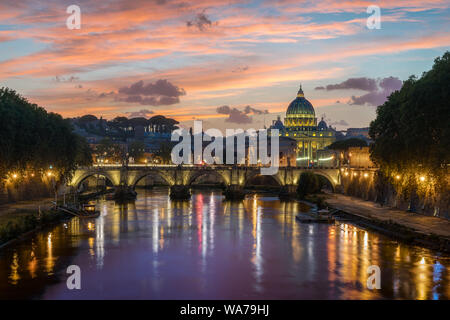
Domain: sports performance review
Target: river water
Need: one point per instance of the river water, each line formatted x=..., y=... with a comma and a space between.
x=210, y=249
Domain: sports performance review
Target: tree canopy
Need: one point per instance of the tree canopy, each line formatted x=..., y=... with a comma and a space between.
x=412, y=126
x=411, y=136
x=34, y=139
x=347, y=143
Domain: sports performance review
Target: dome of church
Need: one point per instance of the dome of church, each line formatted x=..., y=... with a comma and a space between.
x=300, y=106
x=322, y=125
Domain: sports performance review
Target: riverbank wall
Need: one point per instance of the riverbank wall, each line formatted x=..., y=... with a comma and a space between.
x=20, y=225
x=365, y=183
x=25, y=189
x=426, y=231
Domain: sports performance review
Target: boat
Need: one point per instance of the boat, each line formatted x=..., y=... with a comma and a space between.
x=320, y=216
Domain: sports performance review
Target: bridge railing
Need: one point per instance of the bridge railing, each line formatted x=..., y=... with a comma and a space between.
x=203, y=166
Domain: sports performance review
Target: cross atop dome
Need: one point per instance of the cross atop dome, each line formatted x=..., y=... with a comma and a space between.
x=300, y=93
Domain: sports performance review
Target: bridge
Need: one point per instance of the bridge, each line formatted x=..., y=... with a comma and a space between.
x=177, y=177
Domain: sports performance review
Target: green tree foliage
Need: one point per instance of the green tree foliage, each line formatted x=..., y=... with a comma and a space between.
x=411, y=135
x=87, y=118
x=309, y=183
x=347, y=143
x=412, y=126
x=33, y=139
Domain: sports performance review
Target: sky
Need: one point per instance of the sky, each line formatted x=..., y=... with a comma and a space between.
x=232, y=64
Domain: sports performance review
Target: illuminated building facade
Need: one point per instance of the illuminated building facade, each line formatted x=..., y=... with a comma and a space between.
x=301, y=125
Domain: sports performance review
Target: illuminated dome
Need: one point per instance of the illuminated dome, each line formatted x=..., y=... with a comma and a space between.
x=300, y=112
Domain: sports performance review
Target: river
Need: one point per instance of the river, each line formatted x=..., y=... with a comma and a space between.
x=210, y=249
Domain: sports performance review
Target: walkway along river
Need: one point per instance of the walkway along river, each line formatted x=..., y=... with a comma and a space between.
x=206, y=248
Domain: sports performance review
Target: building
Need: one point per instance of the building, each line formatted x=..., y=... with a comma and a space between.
x=301, y=125
x=360, y=133
x=359, y=157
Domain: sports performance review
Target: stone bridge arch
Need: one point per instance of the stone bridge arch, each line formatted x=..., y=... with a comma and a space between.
x=195, y=174
x=255, y=173
x=134, y=177
x=83, y=174
x=332, y=175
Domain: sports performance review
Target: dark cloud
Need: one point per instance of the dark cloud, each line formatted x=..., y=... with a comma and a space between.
x=224, y=110
x=391, y=83
x=234, y=115
x=63, y=79
x=249, y=109
x=378, y=97
x=372, y=98
x=239, y=116
x=339, y=123
x=201, y=22
x=106, y=94
x=240, y=69
x=145, y=113
x=160, y=93
x=378, y=89
x=366, y=84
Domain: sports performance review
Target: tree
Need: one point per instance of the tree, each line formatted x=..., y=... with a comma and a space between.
x=412, y=126
x=87, y=118
x=411, y=133
x=84, y=152
x=140, y=121
x=34, y=140
x=347, y=143
x=121, y=125
x=162, y=124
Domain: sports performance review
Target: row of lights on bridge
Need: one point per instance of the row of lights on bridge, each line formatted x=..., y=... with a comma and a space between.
x=365, y=175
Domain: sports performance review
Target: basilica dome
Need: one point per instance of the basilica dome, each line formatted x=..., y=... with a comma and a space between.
x=300, y=112
x=300, y=106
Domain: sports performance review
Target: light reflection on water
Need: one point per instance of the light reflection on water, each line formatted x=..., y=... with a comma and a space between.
x=207, y=248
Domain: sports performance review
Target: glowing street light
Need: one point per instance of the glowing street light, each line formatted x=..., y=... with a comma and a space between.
x=14, y=176
x=397, y=177
x=422, y=178
x=365, y=175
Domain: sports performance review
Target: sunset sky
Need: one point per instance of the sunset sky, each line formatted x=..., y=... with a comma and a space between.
x=187, y=59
